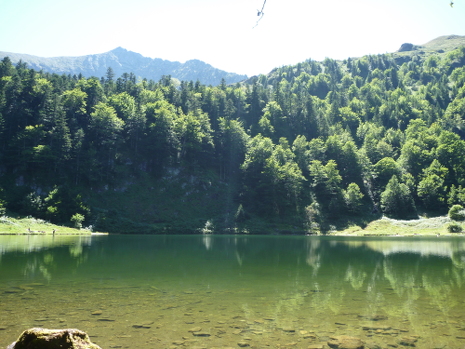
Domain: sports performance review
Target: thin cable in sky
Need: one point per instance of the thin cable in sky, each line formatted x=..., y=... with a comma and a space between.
x=260, y=13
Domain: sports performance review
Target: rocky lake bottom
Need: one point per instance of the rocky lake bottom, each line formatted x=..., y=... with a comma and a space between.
x=314, y=303
x=150, y=317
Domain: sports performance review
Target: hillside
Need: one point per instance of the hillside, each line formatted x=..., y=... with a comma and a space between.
x=124, y=61
x=312, y=147
x=445, y=43
x=438, y=46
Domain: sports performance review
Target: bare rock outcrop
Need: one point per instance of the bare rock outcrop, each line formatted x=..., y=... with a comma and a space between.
x=43, y=338
x=406, y=47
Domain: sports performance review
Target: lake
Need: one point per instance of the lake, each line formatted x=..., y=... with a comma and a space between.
x=208, y=291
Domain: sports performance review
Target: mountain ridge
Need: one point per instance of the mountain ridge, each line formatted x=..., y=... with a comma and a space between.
x=122, y=61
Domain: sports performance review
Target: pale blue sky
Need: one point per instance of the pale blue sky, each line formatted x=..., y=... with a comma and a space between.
x=221, y=33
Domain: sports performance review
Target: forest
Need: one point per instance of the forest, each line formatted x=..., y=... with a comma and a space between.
x=307, y=148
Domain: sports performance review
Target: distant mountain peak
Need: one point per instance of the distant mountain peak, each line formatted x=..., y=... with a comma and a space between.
x=122, y=61
x=119, y=49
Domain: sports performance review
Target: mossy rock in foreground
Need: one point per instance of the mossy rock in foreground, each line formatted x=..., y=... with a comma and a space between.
x=42, y=338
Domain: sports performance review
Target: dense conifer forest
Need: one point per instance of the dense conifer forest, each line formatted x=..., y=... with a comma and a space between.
x=304, y=148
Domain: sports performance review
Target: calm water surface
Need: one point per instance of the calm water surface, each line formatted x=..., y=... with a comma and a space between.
x=234, y=291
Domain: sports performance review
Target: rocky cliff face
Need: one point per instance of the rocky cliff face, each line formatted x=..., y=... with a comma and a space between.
x=124, y=61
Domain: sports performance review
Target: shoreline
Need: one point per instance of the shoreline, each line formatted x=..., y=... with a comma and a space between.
x=383, y=227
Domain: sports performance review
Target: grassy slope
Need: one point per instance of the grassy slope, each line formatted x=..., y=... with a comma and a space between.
x=439, y=46
x=389, y=227
x=446, y=43
x=18, y=226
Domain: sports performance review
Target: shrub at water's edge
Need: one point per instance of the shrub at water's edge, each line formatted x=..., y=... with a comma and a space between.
x=454, y=227
x=457, y=213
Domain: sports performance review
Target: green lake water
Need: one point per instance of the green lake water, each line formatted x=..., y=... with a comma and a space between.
x=236, y=291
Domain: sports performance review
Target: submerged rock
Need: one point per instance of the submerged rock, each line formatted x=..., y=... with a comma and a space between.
x=346, y=342
x=201, y=334
x=408, y=341
x=53, y=339
x=289, y=329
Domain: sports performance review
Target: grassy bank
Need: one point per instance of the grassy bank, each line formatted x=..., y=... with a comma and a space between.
x=392, y=227
x=380, y=227
x=34, y=226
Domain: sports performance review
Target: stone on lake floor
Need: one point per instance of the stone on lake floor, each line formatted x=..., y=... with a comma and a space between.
x=291, y=344
x=243, y=344
x=146, y=326
x=105, y=319
x=12, y=291
x=53, y=339
x=408, y=341
x=288, y=329
x=346, y=342
x=376, y=328
x=201, y=334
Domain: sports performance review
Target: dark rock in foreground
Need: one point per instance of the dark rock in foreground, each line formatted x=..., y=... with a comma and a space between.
x=43, y=338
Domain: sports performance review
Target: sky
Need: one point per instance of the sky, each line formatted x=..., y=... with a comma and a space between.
x=225, y=33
